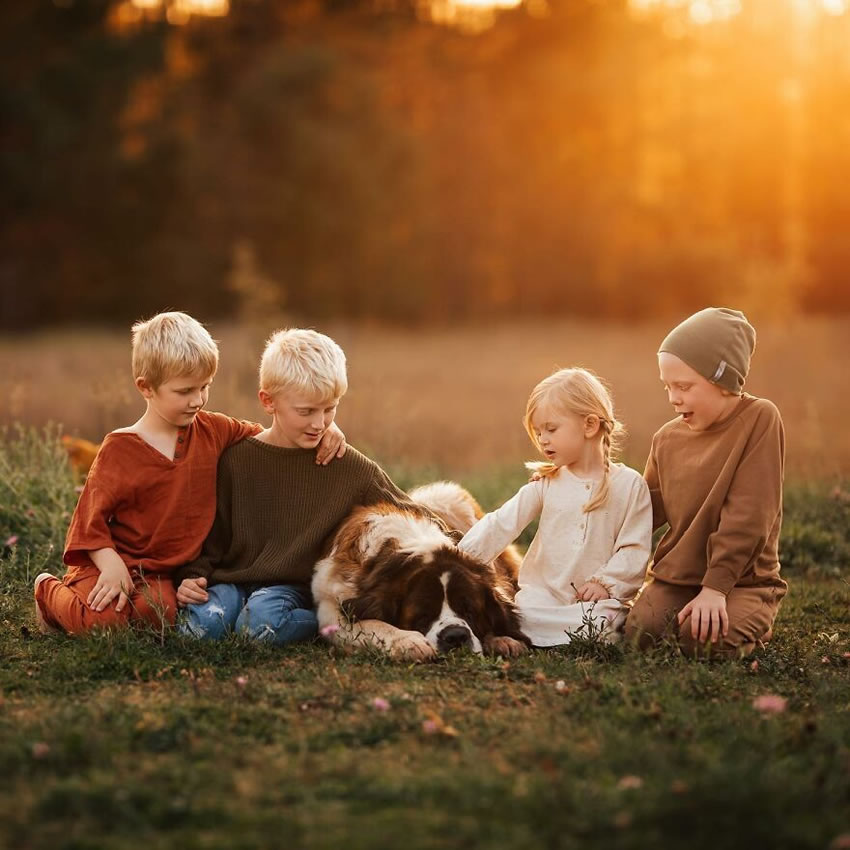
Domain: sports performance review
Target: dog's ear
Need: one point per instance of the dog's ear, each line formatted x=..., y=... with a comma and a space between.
x=364, y=607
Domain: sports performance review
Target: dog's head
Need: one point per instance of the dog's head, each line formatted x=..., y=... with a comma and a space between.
x=452, y=599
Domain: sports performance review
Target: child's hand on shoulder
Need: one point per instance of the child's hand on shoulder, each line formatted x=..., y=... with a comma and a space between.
x=707, y=611
x=591, y=591
x=331, y=445
x=192, y=591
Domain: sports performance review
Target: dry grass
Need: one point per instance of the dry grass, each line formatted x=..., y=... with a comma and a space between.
x=450, y=399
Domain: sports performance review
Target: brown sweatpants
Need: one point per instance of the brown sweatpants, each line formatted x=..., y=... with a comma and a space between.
x=751, y=612
x=63, y=603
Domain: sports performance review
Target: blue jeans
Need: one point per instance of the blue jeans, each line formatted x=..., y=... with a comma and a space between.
x=280, y=613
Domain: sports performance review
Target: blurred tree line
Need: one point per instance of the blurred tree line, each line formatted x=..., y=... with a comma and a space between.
x=345, y=158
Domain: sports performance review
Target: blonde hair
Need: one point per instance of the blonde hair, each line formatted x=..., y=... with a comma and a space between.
x=303, y=361
x=172, y=345
x=581, y=392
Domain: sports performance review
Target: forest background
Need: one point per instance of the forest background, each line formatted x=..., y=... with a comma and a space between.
x=360, y=159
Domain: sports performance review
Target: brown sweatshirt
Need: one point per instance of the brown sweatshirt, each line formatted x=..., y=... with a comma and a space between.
x=276, y=509
x=721, y=492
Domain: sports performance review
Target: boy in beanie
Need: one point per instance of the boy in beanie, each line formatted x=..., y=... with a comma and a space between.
x=715, y=475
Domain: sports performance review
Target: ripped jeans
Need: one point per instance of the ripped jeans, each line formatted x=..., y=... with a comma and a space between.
x=280, y=613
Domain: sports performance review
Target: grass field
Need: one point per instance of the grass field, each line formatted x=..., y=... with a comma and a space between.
x=142, y=739
x=450, y=401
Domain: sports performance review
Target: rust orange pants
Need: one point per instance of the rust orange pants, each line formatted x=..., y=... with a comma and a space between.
x=63, y=602
x=751, y=612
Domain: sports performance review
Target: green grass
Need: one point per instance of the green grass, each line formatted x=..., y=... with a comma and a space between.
x=137, y=739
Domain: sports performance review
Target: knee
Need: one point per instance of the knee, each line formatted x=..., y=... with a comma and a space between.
x=208, y=621
x=257, y=622
x=158, y=613
x=647, y=622
x=636, y=628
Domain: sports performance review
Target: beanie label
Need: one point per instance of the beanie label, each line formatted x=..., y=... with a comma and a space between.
x=719, y=373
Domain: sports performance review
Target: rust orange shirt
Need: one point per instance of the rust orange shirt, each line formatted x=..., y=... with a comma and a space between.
x=153, y=511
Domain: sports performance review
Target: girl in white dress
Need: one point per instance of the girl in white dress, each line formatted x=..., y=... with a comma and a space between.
x=592, y=546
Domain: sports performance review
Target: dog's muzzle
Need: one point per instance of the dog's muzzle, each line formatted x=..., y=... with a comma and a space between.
x=454, y=637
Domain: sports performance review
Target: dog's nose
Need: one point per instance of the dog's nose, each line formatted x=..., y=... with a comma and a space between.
x=454, y=637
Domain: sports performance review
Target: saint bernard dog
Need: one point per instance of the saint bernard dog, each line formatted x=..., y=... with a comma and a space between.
x=394, y=580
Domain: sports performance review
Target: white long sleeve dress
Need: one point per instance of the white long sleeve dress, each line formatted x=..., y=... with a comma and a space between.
x=610, y=545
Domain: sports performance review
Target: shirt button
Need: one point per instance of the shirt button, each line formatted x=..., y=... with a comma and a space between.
x=176, y=454
x=179, y=439
x=587, y=486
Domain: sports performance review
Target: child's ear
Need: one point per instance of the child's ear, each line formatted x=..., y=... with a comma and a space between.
x=591, y=425
x=144, y=387
x=266, y=400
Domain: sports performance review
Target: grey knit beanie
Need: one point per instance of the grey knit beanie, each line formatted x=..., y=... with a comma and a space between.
x=717, y=343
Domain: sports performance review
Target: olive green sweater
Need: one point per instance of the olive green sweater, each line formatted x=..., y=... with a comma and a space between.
x=276, y=510
x=721, y=492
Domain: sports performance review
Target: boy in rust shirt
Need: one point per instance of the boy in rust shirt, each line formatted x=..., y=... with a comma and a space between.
x=149, y=500
x=715, y=475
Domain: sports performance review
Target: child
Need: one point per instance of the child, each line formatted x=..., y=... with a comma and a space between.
x=590, y=552
x=149, y=499
x=715, y=475
x=275, y=508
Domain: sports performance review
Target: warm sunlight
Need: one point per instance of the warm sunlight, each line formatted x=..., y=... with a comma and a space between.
x=469, y=15
x=180, y=11
x=711, y=11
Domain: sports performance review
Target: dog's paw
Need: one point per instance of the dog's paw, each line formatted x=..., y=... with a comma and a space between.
x=412, y=646
x=507, y=647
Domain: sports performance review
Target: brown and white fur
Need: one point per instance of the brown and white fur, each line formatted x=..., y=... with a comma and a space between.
x=394, y=580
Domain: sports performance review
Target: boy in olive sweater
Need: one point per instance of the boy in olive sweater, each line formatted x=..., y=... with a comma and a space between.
x=715, y=475
x=275, y=506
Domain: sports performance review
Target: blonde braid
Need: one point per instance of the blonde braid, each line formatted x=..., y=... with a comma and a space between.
x=611, y=429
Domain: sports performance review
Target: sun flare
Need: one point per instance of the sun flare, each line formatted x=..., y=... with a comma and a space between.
x=704, y=12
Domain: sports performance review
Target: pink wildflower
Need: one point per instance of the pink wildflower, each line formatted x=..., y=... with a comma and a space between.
x=430, y=727
x=40, y=750
x=380, y=704
x=770, y=704
x=241, y=681
x=11, y=541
